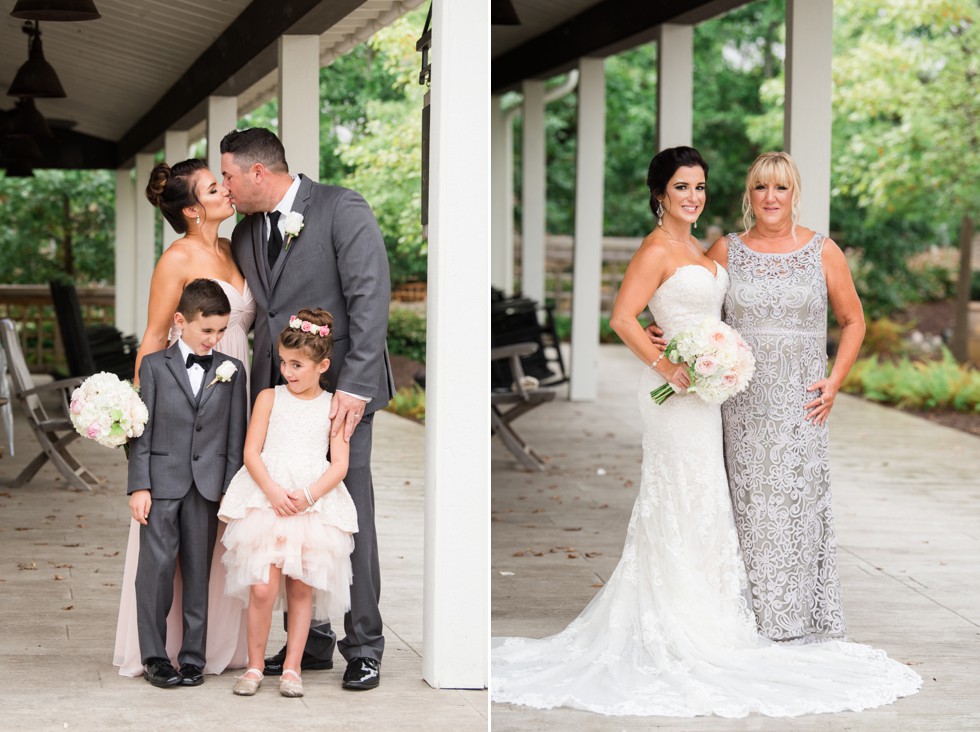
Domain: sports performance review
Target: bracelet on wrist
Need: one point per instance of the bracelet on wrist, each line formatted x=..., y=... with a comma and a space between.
x=308, y=495
x=653, y=365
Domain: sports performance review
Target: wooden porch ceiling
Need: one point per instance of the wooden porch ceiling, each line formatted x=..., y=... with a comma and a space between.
x=554, y=34
x=149, y=66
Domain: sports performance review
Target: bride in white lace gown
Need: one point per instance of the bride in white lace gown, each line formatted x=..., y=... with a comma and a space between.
x=671, y=633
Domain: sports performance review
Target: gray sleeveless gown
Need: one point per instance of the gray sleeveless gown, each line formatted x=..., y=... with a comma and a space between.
x=778, y=463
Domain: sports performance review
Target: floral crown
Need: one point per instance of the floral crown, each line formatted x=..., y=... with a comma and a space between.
x=307, y=327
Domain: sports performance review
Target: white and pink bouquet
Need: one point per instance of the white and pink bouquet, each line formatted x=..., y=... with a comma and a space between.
x=108, y=410
x=719, y=362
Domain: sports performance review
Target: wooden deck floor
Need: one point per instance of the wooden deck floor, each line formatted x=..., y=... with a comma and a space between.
x=907, y=509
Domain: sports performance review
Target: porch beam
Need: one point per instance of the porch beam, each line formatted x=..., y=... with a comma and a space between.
x=299, y=103
x=145, y=239
x=587, y=254
x=807, y=118
x=675, y=85
x=222, y=119
x=456, y=598
x=533, y=192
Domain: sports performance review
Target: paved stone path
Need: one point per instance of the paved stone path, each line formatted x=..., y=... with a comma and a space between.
x=907, y=508
x=61, y=560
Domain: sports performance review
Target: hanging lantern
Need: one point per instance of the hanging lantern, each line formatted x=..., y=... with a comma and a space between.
x=27, y=120
x=55, y=10
x=36, y=78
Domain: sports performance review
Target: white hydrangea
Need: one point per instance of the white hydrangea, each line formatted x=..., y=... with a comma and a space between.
x=108, y=410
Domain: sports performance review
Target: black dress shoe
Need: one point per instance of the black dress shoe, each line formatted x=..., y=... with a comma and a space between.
x=159, y=672
x=273, y=664
x=191, y=675
x=362, y=674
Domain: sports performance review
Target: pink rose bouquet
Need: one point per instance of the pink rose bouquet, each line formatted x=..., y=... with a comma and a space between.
x=107, y=410
x=719, y=362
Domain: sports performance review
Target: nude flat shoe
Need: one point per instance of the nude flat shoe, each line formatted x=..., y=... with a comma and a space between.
x=288, y=687
x=244, y=686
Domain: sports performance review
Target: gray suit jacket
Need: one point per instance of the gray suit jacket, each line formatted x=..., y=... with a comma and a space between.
x=338, y=263
x=188, y=439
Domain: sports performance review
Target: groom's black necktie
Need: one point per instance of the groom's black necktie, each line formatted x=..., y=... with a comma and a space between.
x=275, y=238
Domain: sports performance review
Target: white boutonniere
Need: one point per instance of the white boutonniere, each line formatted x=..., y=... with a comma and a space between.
x=294, y=225
x=224, y=373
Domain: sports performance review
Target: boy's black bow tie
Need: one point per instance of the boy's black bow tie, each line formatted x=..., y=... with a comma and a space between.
x=205, y=361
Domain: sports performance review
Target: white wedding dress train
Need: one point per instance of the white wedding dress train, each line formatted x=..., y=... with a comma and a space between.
x=671, y=633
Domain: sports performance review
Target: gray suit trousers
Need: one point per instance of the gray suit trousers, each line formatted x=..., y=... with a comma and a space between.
x=184, y=527
x=362, y=624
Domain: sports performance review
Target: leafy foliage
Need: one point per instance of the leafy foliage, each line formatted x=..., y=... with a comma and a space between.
x=409, y=402
x=942, y=384
x=58, y=224
x=406, y=334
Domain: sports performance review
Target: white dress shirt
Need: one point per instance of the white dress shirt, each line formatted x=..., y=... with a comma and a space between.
x=196, y=372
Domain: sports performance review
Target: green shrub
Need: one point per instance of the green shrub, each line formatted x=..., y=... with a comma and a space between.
x=409, y=402
x=563, y=327
x=406, y=334
x=943, y=384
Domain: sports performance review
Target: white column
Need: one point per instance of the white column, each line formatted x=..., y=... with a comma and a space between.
x=807, y=117
x=501, y=198
x=533, y=186
x=222, y=119
x=145, y=240
x=176, y=147
x=299, y=103
x=587, y=262
x=675, y=85
x=125, y=251
x=457, y=449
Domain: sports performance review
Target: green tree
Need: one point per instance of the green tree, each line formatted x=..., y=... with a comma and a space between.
x=906, y=99
x=59, y=225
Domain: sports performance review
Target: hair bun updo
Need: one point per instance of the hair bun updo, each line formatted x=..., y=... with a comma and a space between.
x=159, y=177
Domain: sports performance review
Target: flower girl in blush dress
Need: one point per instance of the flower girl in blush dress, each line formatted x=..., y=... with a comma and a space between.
x=290, y=518
x=671, y=633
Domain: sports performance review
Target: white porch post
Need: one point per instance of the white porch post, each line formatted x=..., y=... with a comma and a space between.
x=222, y=119
x=533, y=187
x=501, y=198
x=299, y=103
x=587, y=263
x=125, y=252
x=675, y=86
x=457, y=446
x=145, y=250
x=807, y=121
x=176, y=146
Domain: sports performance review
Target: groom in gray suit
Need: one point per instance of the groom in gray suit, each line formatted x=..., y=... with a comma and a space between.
x=179, y=468
x=302, y=244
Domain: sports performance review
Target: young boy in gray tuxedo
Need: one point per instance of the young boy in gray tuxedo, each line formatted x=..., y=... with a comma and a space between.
x=178, y=470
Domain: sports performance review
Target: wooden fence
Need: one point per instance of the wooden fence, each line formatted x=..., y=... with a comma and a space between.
x=30, y=307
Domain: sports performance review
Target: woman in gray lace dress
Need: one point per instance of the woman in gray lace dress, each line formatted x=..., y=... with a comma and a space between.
x=776, y=442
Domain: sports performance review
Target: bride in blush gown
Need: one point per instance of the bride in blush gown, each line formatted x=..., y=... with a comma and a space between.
x=194, y=203
x=671, y=632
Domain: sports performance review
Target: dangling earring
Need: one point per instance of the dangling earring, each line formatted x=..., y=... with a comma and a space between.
x=660, y=213
x=198, y=220
x=695, y=224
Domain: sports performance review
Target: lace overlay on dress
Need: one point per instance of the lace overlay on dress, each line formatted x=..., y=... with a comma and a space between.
x=778, y=463
x=671, y=632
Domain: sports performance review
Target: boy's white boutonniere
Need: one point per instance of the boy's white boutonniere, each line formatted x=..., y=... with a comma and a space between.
x=224, y=373
x=294, y=225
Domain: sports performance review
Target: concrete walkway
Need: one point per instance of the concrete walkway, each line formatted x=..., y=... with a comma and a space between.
x=61, y=561
x=907, y=508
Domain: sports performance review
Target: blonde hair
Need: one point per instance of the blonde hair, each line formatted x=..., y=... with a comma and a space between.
x=772, y=167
